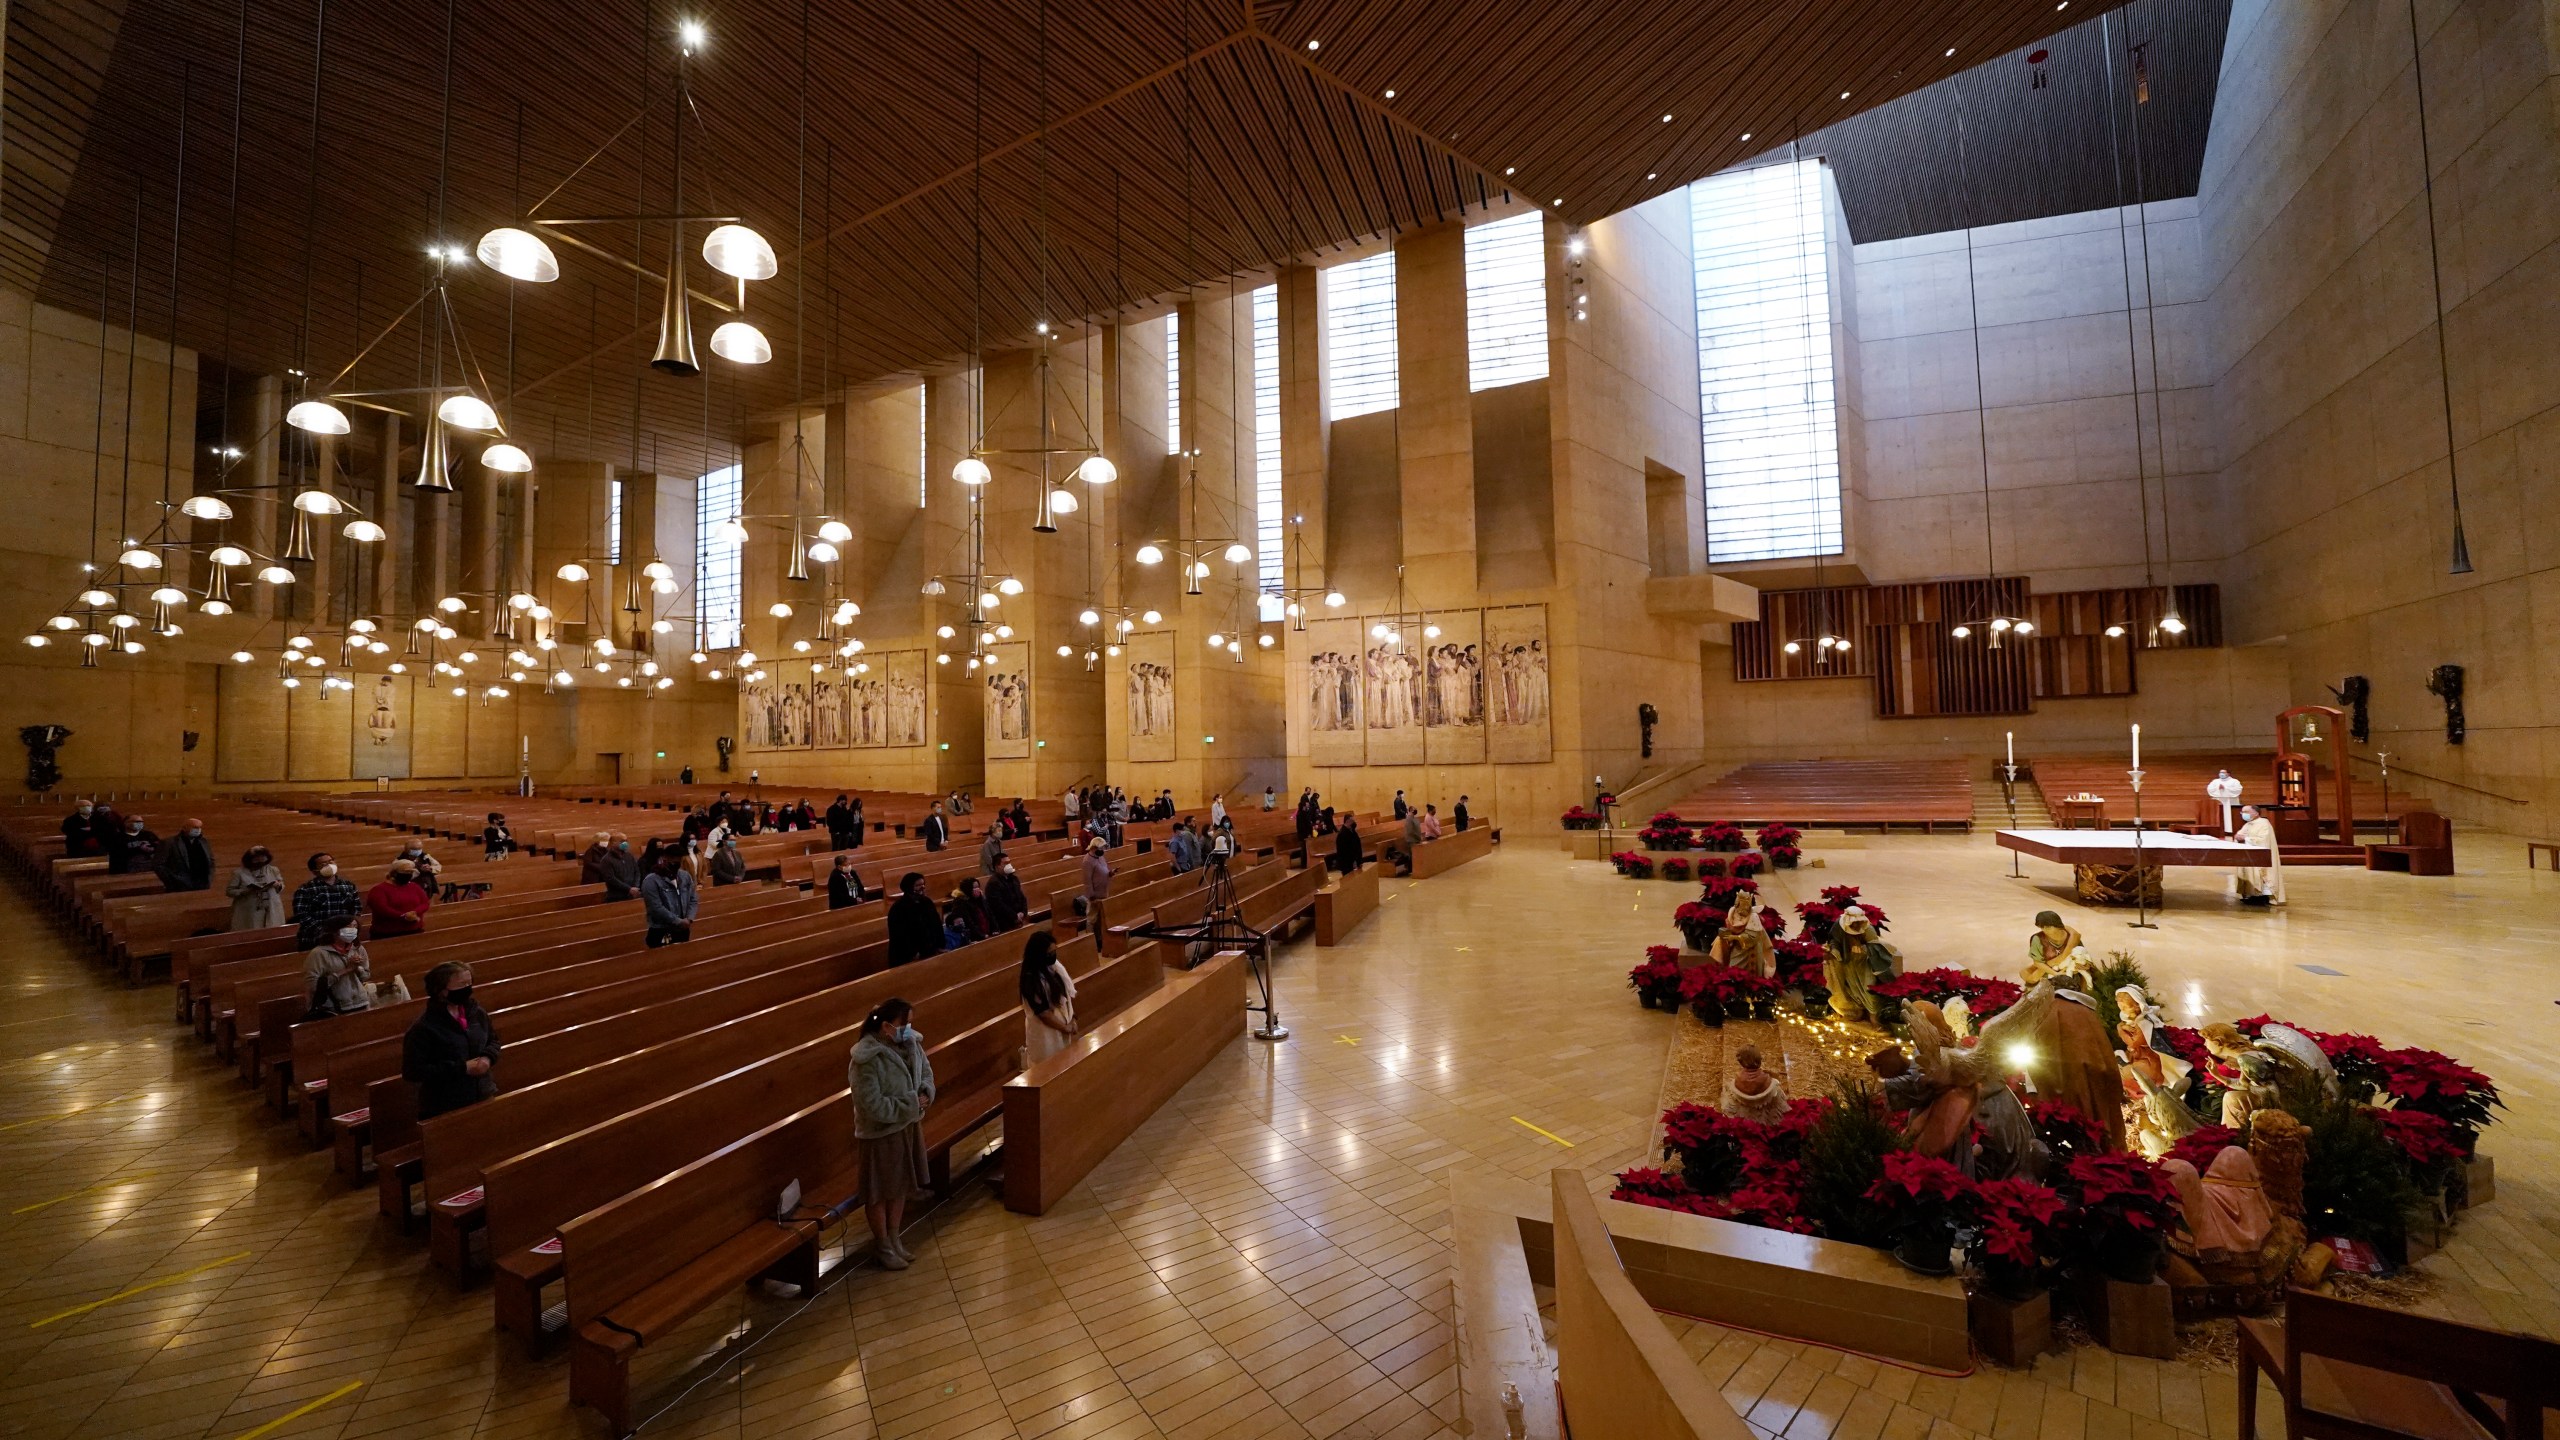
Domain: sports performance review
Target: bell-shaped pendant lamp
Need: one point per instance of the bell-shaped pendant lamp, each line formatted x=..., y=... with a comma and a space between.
x=435, y=463
x=217, y=590
x=507, y=458
x=739, y=252
x=799, y=569
x=741, y=343
x=317, y=417
x=467, y=411
x=297, y=539
x=519, y=255
x=675, y=320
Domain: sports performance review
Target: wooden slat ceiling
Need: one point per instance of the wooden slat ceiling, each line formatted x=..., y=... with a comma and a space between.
x=1159, y=173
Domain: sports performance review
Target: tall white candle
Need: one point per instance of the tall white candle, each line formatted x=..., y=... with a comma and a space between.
x=2137, y=747
x=2013, y=745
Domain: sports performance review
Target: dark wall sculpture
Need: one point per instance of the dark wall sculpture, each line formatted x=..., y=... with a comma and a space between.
x=2445, y=683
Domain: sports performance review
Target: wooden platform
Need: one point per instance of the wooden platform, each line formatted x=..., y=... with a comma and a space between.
x=2173, y=787
x=1925, y=793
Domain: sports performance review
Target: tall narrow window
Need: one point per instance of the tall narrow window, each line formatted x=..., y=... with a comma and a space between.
x=719, y=567
x=1360, y=333
x=1507, y=302
x=1266, y=437
x=613, y=523
x=924, y=455
x=1770, y=447
x=1173, y=384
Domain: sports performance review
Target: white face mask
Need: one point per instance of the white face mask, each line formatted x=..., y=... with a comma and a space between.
x=328, y=872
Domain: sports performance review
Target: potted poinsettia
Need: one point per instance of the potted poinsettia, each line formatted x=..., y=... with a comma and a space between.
x=1667, y=833
x=1775, y=834
x=1921, y=1198
x=1675, y=868
x=1698, y=922
x=2009, y=1245
x=2122, y=1209
x=1800, y=969
x=1749, y=996
x=1709, y=1144
x=1720, y=835
x=1578, y=818
x=1713, y=867
x=1636, y=865
x=1702, y=989
x=1657, y=980
x=1719, y=890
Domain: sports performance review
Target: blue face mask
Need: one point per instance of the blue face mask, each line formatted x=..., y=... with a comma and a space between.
x=906, y=1034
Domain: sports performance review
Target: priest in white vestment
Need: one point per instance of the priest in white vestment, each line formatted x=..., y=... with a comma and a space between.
x=2254, y=884
x=2223, y=790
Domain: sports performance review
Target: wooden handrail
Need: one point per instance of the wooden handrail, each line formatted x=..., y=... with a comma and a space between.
x=2440, y=780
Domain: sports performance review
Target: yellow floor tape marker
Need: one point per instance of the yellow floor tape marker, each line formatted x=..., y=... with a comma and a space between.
x=83, y=1190
x=65, y=1114
x=290, y=1416
x=1550, y=1134
x=138, y=1289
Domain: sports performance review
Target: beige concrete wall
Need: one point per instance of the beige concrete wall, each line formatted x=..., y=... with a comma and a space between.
x=2316, y=270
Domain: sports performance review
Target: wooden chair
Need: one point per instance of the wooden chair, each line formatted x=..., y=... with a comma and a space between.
x=2359, y=1372
x=2425, y=848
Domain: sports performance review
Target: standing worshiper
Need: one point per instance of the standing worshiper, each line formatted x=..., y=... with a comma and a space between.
x=840, y=823
x=964, y=915
x=1218, y=809
x=1020, y=815
x=339, y=974
x=79, y=837
x=2259, y=884
x=1073, y=804
x=495, y=840
x=1306, y=826
x=935, y=829
x=399, y=903
x=105, y=825
x=670, y=902
x=1006, y=904
x=1346, y=843
x=2223, y=790
x=991, y=852
x=1857, y=959
x=134, y=850
x=855, y=843
x=1097, y=873
x=1186, y=852
x=1400, y=805
x=1459, y=814
x=323, y=903
x=892, y=1085
x=256, y=891
x=915, y=926
x=844, y=886
x=451, y=1048
x=728, y=867
x=416, y=854
x=593, y=861
x=621, y=870
x=1048, y=1000
x=1430, y=822
x=685, y=776
x=186, y=862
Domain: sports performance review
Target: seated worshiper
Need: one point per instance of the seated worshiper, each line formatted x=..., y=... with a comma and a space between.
x=1741, y=942
x=79, y=836
x=339, y=975
x=1751, y=1092
x=495, y=839
x=2259, y=884
x=1856, y=960
x=844, y=887
x=2054, y=949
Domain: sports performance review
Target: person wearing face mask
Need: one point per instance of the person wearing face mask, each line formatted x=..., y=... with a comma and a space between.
x=495, y=839
x=667, y=894
x=135, y=849
x=915, y=926
x=844, y=887
x=1006, y=904
x=1048, y=1000
x=79, y=835
x=340, y=975
x=256, y=891
x=105, y=825
x=592, y=860
x=399, y=904
x=621, y=870
x=186, y=862
x=991, y=852
x=728, y=867
x=324, y=902
x=892, y=1085
x=428, y=867
x=451, y=1049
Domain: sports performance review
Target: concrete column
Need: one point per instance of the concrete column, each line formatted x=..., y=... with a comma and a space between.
x=572, y=505
x=1435, y=421
x=954, y=713
x=1306, y=428
x=254, y=523
x=482, y=583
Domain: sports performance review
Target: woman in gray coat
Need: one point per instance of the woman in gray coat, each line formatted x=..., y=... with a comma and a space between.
x=256, y=891
x=892, y=1084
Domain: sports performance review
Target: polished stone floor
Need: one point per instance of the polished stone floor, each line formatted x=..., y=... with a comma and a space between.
x=1264, y=1258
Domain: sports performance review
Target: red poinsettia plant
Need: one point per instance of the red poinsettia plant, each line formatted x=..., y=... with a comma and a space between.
x=2065, y=1130
x=1920, y=1199
x=1634, y=864
x=1670, y=835
x=2199, y=1146
x=1577, y=818
x=1719, y=890
x=2178, y=1040
x=1749, y=863
x=1776, y=834
x=2431, y=1145
x=1773, y=922
x=1720, y=835
x=2123, y=1207
x=1675, y=869
x=1713, y=867
x=2014, y=1223
x=1657, y=980
x=1800, y=963
x=1984, y=995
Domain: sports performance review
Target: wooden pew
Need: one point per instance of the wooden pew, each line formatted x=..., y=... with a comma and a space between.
x=637, y=1268
x=1064, y=1114
x=1439, y=857
x=1343, y=904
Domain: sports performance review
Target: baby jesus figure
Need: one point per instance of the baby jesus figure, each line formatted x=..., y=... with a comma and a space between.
x=1751, y=1092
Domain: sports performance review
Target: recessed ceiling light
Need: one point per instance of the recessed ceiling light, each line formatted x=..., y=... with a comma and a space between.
x=1666, y=119
x=1746, y=134
x=1391, y=94
x=1650, y=174
x=1507, y=169
x=1314, y=44
x=1951, y=52
x=1559, y=199
x=1845, y=94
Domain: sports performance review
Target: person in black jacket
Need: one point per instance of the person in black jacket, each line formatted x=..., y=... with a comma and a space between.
x=621, y=870
x=79, y=838
x=915, y=925
x=451, y=1050
x=135, y=850
x=1006, y=904
x=1460, y=815
x=839, y=822
x=1346, y=844
x=844, y=887
x=495, y=839
x=936, y=830
x=186, y=862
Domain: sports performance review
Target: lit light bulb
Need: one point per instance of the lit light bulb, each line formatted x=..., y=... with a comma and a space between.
x=1153, y=617
x=1334, y=600
x=823, y=552
x=317, y=417
x=228, y=556
x=738, y=252
x=1200, y=568
x=467, y=411
x=1111, y=650
x=365, y=532
x=1089, y=616
x=1238, y=553
x=741, y=343
x=1063, y=651
x=2171, y=623
x=507, y=458
x=1009, y=586
x=733, y=530
x=779, y=609
x=1149, y=554
x=1217, y=641
x=1097, y=471
x=699, y=657
x=1267, y=641
x=1062, y=502
x=1430, y=632
x=945, y=632
x=1963, y=632
x=835, y=532
x=519, y=255
x=451, y=605
x=1791, y=647
x=1004, y=632
x=988, y=600
x=243, y=657
x=573, y=572
x=972, y=471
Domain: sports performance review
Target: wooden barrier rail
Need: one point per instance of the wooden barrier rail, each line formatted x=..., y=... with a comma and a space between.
x=1343, y=904
x=1439, y=857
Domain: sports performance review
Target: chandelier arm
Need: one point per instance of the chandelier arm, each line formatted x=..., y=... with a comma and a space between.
x=470, y=360
x=725, y=307
x=379, y=336
x=553, y=193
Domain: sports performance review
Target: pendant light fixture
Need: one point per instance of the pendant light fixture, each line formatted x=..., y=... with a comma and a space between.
x=1998, y=625
x=2460, y=564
